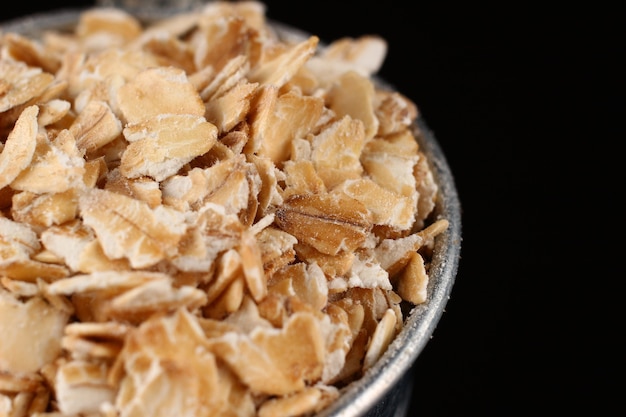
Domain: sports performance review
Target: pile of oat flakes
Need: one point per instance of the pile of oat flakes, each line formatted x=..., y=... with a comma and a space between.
x=201, y=218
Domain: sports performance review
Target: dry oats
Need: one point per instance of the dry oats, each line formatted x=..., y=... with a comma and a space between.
x=199, y=207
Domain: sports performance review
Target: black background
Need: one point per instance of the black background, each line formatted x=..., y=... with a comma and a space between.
x=528, y=106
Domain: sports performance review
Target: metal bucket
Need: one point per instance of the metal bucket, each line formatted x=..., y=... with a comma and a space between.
x=385, y=390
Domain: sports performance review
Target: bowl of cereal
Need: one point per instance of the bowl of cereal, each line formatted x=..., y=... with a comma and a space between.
x=205, y=212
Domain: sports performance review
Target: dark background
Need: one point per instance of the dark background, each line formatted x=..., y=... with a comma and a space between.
x=528, y=106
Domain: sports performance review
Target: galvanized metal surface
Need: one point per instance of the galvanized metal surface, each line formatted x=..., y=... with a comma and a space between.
x=385, y=390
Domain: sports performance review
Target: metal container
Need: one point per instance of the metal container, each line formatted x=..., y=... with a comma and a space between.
x=385, y=390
